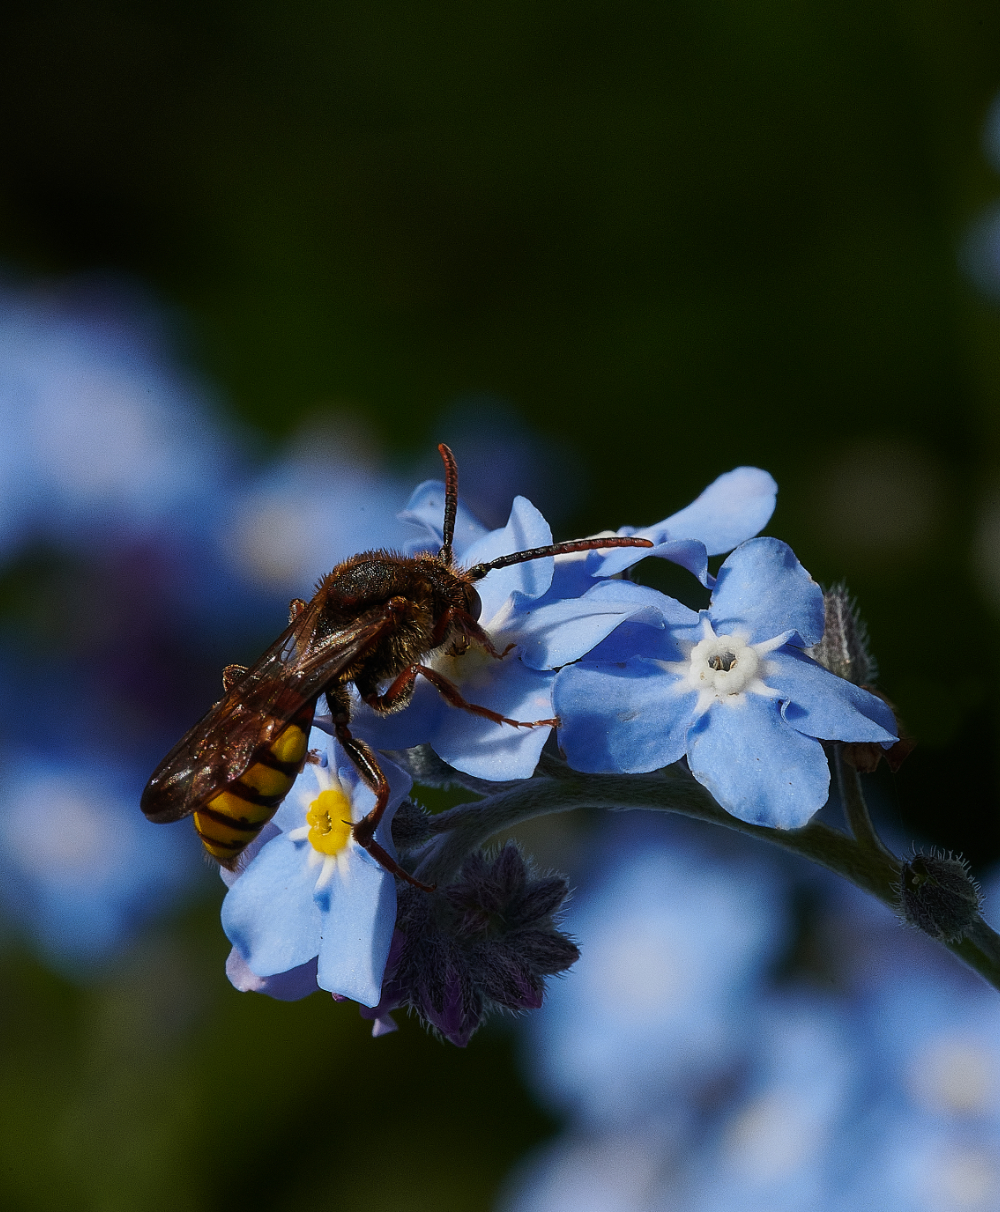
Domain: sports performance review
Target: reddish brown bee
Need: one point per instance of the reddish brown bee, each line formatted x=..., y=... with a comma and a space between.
x=372, y=622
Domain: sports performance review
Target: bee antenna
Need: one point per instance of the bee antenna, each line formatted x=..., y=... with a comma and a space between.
x=478, y=571
x=450, y=501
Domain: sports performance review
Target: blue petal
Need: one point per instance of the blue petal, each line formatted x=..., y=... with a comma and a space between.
x=269, y=914
x=357, y=925
x=822, y=705
x=689, y=553
x=573, y=574
x=757, y=767
x=763, y=589
x=633, y=639
x=525, y=529
x=625, y=717
x=554, y=633
x=425, y=509
x=731, y=510
x=488, y=750
x=414, y=725
x=285, y=986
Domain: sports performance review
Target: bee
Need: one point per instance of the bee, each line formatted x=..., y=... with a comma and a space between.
x=371, y=624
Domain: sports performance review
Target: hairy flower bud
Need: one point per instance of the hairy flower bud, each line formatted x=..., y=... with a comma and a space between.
x=938, y=895
x=844, y=646
x=486, y=942
x=410, y=828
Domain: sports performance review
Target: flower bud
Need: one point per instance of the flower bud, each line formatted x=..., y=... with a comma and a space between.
x=938, y=895
x=844, y=646
x=410, y=828
x=484, y=943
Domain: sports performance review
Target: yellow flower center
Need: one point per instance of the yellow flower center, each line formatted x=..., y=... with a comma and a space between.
x=329, y=819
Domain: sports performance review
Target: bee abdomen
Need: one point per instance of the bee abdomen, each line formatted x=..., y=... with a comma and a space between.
x=229, y=821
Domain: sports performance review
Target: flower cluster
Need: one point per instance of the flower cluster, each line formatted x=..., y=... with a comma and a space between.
x=716, y=1051
x=632, y=680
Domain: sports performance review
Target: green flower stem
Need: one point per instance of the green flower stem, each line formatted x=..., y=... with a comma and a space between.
x=862, y=860
x=852, y=800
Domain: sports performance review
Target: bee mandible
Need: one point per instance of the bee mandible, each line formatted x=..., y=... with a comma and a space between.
x=372, y=623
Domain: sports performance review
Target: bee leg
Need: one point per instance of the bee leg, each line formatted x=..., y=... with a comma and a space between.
x=231, y=675
x=469, y=628
x=451, y=694
x=398, y=695
x=367, y=766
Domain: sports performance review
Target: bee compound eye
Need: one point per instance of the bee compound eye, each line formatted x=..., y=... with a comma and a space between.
x=475, y=602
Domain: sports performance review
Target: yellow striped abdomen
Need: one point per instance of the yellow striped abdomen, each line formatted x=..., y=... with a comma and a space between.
x=229, y=821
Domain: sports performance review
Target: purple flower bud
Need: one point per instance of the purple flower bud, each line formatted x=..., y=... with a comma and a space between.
x=485, y=943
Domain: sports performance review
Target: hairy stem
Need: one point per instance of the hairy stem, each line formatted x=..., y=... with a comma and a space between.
x=853, y=801
x=862, y=859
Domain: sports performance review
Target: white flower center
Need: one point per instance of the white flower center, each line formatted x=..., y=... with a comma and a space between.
x=725, y=668
x=723, y=663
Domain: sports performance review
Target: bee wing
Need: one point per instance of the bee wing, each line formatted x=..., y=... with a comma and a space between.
x=219, y=747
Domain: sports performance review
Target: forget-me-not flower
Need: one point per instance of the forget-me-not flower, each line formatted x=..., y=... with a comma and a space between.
x=310, y=894
x=676, y=940
x=544, y=614
x=81, y=871
x=518, y=686
x=731, y=688
x=111, y=435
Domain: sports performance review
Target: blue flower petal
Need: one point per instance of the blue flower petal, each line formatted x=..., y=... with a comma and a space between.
x=731, y=510
x=555, y=633
x=822, y=705
x=358, y=918
x=763, y=589
x=626, y=717
x=425, y=509
x=423, y=718
x=488, y=750
x=285, y=986
x=759, y=768
x=525, y=530
x=633, y=639
x=269, y=914
x=689, y=553
x=574, y=574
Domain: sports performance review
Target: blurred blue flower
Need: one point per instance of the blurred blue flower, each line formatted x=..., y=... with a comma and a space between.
x=633, y=1167
x=310, y=893
x=730, y=687
x=325, y=500
x=782, y=1143
x=103, y=434
x=676, y=942
x=979, y=255
x=878, y=1089
x=928, y=1139
x=81, y=870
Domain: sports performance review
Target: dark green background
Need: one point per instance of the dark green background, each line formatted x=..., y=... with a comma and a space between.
x=677, y=236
